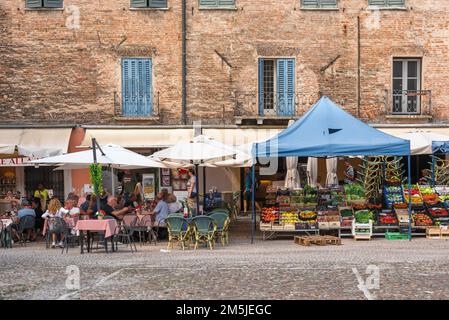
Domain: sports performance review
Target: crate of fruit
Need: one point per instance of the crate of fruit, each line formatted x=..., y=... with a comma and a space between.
x=334, y=224
x=346, y=211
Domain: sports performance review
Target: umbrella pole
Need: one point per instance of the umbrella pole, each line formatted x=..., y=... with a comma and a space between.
x=204, y=187
x=94, y=150
x=112, y=182
x=253, y=203
x=409, y=201
x=197, y=191
x=433, y=171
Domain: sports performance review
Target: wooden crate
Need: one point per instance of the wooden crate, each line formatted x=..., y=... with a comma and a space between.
x=323, y=225
x=277, y=227
x=444, y=234
x=265, y=226
x=361, y=236
x=333, y=240
x=433, y=233
x=308, y=240
x=334, y=224
x=289, y=227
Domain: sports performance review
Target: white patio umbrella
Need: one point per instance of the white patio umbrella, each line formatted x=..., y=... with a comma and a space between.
x=115, y=156
x=292, y=179
x=242, y=156
x=196, y=152
x=312, y=171
x=421, y=141
x=331, y=166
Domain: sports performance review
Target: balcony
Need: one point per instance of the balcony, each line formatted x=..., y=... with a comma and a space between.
x=408, y=104
x=271, y=108
x=153, y=116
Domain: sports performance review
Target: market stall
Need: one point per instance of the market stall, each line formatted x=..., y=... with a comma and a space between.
x=328, y=131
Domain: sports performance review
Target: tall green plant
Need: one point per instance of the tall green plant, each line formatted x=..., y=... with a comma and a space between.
x=96, y=178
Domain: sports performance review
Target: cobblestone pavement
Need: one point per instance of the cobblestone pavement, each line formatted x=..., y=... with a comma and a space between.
x=276, y=269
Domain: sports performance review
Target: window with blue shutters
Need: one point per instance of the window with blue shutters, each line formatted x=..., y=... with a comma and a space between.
x=35, y=4
x=137, y=92
x=319, y=4
x=386, y=3
x=276, y=87
x=157, y=4
x=217, y=4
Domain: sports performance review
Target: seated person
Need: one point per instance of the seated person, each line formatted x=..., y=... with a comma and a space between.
x=161, y=211
x=173, y=204
x=89, y=207
x=110, y=209
x=70, y=208
x=55, y=211
x=26, y=210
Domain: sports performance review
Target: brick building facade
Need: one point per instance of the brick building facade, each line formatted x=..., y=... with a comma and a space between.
x=54, y=71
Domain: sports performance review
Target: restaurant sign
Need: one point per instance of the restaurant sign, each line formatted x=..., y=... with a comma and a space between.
x=17, y=162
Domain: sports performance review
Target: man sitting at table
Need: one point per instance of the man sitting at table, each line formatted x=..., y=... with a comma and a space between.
x=70, y=208
x=26, y=210
x=110, y=209
x=161, y=211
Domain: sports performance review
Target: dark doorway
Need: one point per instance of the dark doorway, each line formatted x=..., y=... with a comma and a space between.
x=45, y=175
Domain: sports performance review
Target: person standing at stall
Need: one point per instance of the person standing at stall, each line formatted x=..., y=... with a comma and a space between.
x=248, y=191
x=42, y=194
x=349, y=173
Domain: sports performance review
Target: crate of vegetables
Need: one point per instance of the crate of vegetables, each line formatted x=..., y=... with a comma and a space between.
x=392, y=195
x=436, y=212
x=416, y=198
x=420, y=219
x=387, y=219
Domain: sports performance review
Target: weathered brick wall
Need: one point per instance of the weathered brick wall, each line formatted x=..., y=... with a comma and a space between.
x=49, y=71
x=57, y=74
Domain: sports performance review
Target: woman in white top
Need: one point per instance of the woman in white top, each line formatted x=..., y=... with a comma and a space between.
x=54, y=210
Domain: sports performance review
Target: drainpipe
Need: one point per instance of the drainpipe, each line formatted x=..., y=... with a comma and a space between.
x=358, y=67
x=184, y=62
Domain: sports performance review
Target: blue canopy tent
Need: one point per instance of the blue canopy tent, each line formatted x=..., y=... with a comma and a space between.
x=327, y=130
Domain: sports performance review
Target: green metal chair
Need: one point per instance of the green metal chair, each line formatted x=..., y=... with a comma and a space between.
x=219, y=210
x=178, y=230
x=204, y=228
x=235, y=205
x=222, y=220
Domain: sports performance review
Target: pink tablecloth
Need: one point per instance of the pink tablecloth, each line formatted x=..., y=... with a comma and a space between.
x=109, y=226
x=71, y=222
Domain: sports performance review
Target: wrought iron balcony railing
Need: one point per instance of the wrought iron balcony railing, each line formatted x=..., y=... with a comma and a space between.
x=271, y=105
x=409, y=102
x=119, y=112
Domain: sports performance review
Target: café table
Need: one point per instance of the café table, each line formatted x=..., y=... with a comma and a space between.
x=107, y=226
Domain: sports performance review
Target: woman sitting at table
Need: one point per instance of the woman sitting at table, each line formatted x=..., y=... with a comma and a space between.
x=54, y=213
x=174, y=205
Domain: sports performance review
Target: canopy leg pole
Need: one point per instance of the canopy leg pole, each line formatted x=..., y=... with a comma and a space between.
x=204, y=187
x=433, y=171
x=97, y=194
x=409, y=200
x=197, y=191
x=112, y=182
x=253, y=203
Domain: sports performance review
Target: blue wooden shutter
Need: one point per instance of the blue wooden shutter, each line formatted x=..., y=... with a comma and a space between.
x=226, y=3
x=53, y=3
x=328, y=3
x=138, y=3
x=261, y=91
x=396, y=2
x=136, y=87
x=382, y=3
x=158, y=4
x=309, y=3
x=34, y=3
x=209, y=3
x=285, y=90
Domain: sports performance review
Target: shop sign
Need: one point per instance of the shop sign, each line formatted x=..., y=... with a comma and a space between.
x=16, y=162
x=149, y=185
